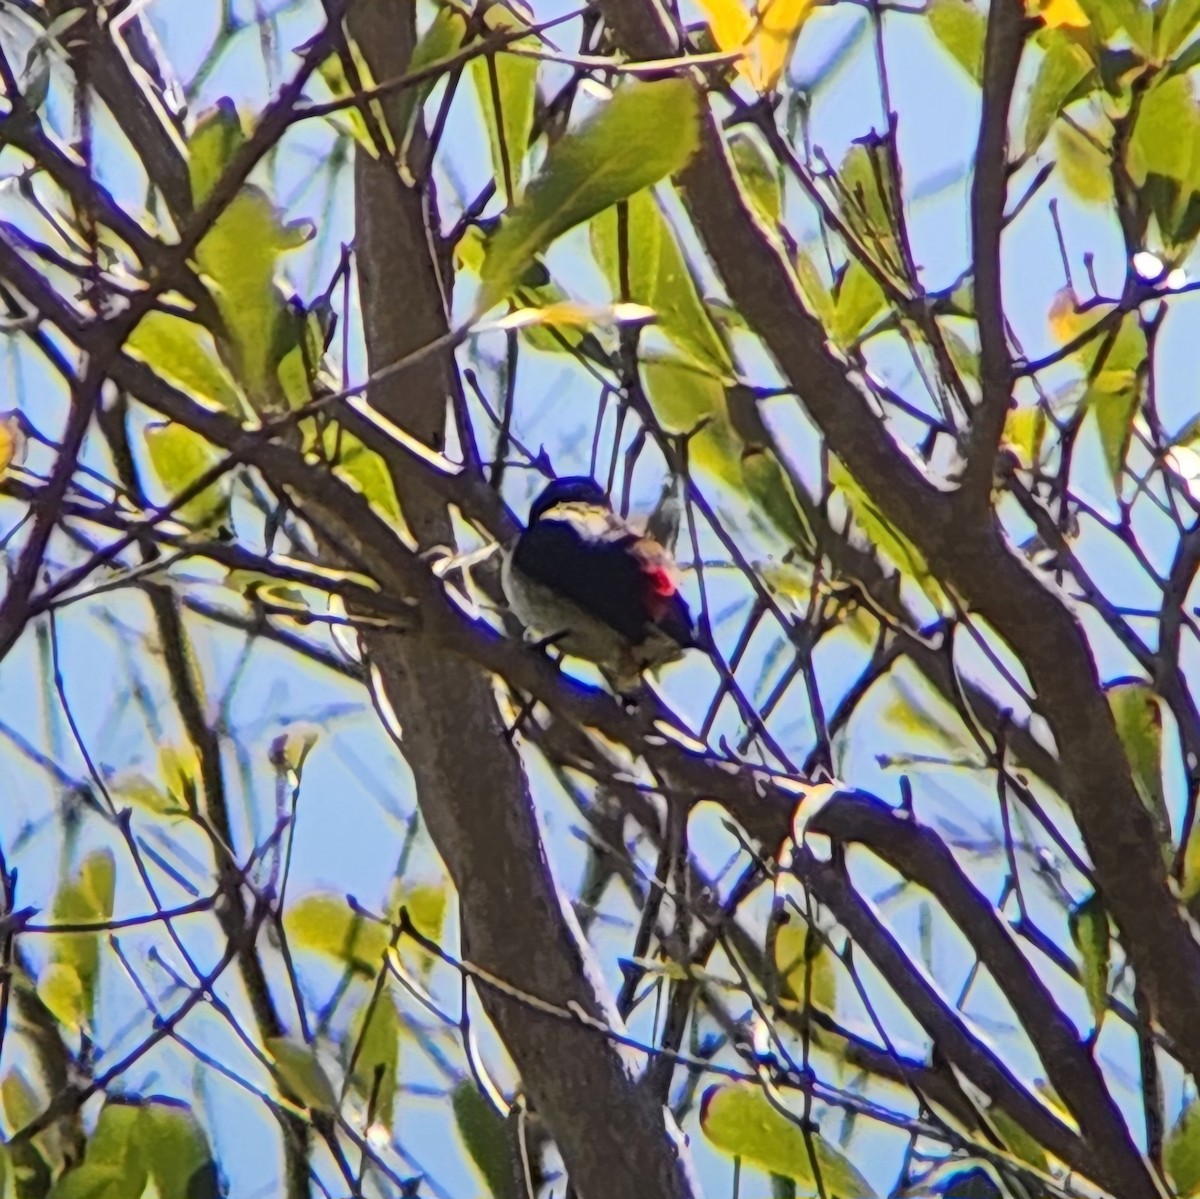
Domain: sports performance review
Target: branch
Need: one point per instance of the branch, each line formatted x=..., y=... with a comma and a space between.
x=1006, y=29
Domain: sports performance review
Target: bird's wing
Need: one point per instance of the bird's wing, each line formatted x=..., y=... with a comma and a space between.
x=609, y=577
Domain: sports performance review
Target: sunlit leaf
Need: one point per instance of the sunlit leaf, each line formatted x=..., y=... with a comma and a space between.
x=426, y=906
x=803, y=964
x=325, y=924
x=1059, y=14
x=617, y=152
x=1084, y=165
x=816, y=295
x=685, y=399
x=179, y=457
x=658, y=276
x=740, y=1121
x=732, y=26
x=183, y=352
x=376, y=1031
x=1181, y=1151
x=240, y=258
x=300, y=1074
x=960, y=28
x=1064, y=65
x=175, y=1151
x=214, y=142
x=21, y=1101
x=1088, y=923
x=1138, y=716
x=767, y=483
x=363, y=469
x=510, y=79
x=12, y=441
x=61, y=989
x=485, y=1136
x=1179, y=21
x=778, y=24
x=858, y=302
x=446, y=36
x=1115, y=19
x=760, y=175
x=1166, y=137
x=884, y=535
x=871, y=205
x=1114, y=389
x=1024, y=434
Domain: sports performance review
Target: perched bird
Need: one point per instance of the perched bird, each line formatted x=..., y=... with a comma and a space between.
x=583, y=579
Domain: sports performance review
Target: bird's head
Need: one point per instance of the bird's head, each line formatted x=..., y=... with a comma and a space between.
x=570, y=489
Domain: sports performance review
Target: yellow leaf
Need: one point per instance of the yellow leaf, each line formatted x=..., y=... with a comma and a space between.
x=779, y=23
x=732, y=26
x=1066, y=321
x=12, y=441
x=1058, y=14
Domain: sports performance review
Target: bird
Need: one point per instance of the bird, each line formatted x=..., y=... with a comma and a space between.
x=582, y=578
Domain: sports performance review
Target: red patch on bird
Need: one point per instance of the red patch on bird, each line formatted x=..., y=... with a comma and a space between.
x=661, y=582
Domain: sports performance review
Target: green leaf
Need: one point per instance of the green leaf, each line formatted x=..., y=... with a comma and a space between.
x=1179, y=21
x=682, y=397
x=240, y=258
x=217, y=138
x=184, y=353
x=445, y=37
x=1020, y=1142
x=872, y=200
x=67, y=985
x=21, y=1101
x=1181, y=1152
x=363, y=469
x=761, y=175
x=179, y=457
x=1166, y=137
x=176, y=1152
x=884, y=536
x=816, y=295
x=1088, y=922
x=1138, y=716
x=138, y=1144
x=300, y=1074
x=101, y=1180
x=24, y=1173
x=859, y=301
x=1064, y=66
x=485, y=1136
x=618, y=152
x=740, y=1121
x=516, y=89
x=1024, y=434
x=376, y=1031
x=768, y=484
x=1085, y=167
x=659, y=277
x=802, y=963
x=426, y=904
x=61, y=989
x=960, y=28
x=325, y=924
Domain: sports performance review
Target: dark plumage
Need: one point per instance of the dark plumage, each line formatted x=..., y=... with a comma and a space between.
x=583, y=576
